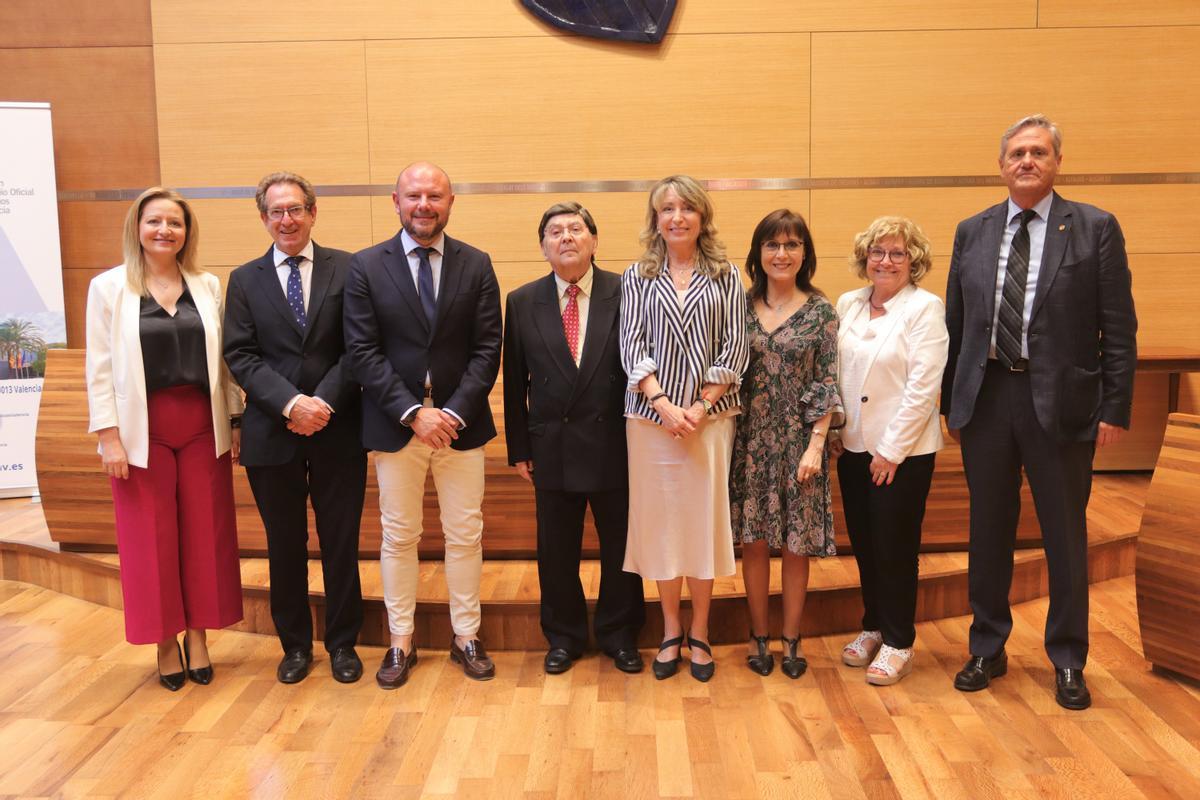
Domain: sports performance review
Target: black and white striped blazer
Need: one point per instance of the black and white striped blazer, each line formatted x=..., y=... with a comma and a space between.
x=703, y=343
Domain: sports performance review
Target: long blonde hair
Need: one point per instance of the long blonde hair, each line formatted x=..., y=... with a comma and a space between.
x=711, y=261
x=135, y=259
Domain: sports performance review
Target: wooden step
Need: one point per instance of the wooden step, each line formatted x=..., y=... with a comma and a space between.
x=509, y=588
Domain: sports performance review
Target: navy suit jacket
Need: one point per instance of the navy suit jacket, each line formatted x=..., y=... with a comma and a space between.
x=273, y=359
x=1082, y=330
x=392, y=346
x=569, y=421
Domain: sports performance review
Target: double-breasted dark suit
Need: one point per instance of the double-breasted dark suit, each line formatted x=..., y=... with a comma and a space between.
x=274, y=359
x=392, y=346
x=569, y=421
x=1043, y=421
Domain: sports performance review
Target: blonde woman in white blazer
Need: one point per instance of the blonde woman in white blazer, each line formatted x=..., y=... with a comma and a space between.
x=160, y=402
x=892, y=349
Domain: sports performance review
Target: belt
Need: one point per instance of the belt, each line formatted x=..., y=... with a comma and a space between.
x=428, y=391
x=1018, y=366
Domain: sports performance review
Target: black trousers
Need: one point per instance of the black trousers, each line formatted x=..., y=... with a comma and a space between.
x=281, y=492
x=1003, y=439
x=884, y=523
x=620, y=607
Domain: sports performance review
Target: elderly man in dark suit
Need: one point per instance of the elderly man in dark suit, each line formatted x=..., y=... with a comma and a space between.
x=423, y=334
x=300, y=432
x=1042, y=356
x=564, y=393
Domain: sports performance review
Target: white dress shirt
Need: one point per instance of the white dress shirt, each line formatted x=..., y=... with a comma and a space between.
x=583, y=300
x=1037, y=241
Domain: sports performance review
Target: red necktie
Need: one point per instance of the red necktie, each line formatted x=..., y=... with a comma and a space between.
x=570, y=318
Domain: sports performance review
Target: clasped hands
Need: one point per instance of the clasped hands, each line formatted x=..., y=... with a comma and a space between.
x=681, y=422
x=435, y=427
x=309, y=415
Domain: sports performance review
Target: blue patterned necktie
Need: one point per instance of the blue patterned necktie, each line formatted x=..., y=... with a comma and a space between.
x=295, y=290
x=425, y=283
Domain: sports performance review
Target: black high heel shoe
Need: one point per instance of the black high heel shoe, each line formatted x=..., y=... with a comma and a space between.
x=175, y=680
x=762, y=662
x=792, y=665
x=665, y=669
x=702, y=672
x=201, y=675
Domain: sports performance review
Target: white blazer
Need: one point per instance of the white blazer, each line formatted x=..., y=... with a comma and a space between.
x=116, y=378
x=904, y=374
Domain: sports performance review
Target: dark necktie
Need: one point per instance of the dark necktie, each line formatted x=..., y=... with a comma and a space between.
x=425, y=284
x=295, y=290
x=570, y=319
x=1012, y=299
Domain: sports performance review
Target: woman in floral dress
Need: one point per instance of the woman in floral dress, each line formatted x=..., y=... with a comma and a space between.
x=780, y=472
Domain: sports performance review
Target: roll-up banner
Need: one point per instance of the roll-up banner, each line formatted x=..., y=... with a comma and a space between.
x=31, y=294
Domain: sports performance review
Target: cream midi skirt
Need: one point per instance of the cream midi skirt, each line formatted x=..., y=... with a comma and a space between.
x=679, y=501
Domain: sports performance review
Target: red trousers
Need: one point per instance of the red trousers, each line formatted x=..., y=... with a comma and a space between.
x=176, y=530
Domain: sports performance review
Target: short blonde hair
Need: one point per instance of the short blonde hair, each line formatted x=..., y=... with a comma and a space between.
x=135, y=259
x=710, y=252
x=920, y=252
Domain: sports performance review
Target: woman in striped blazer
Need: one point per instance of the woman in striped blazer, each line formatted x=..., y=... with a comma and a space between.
x=683, y=345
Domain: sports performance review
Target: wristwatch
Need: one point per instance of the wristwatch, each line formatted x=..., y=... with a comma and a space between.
x=708, y=406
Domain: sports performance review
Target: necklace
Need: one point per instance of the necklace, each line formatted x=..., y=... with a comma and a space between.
x=871, y=302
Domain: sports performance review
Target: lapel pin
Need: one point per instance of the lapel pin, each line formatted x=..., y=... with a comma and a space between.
x=1062, y=227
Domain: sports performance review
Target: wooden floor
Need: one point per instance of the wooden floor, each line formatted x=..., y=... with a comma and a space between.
x=81, y=715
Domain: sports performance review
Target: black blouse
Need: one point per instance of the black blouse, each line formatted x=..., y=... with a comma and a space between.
x=173, y=351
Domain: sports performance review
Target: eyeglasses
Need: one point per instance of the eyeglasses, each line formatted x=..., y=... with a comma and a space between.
x=295, y=212
x=790, y=247
x=877, y=254
x=575, y=230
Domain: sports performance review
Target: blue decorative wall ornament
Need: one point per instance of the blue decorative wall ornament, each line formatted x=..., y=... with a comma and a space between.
x=628, y=20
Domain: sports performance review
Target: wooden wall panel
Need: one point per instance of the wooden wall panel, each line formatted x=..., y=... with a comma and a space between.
x=549, y=108
x=102, y=103
x=940, y=109
x=766, y=16
x=75, y=289
x=1154, y=219
x=177, y=21
x=1088, y=13
x=230, y=113
x=1166, y=312
x=74, y=23
x=1139, y=446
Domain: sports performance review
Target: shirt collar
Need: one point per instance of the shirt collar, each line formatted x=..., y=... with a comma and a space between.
x=410, y=244
x=1041, y=208
x=584, y=284
x=307, y=253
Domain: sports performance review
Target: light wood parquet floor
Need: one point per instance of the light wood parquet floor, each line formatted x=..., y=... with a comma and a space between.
x=82, y=715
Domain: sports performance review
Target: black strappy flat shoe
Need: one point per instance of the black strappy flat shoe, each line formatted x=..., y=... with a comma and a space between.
x=702, y=672
x=665, y=669
x=762, y=662
x=793, y=665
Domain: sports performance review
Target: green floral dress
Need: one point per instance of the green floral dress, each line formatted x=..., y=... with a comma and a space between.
x=790, y=384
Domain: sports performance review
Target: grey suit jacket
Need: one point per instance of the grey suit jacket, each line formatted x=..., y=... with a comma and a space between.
x=1082, y=329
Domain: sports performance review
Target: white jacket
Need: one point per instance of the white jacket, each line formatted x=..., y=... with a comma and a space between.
x=904, y=375
x=116, y=378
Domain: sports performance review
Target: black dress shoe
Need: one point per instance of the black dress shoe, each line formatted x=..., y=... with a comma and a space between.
x=345, y=665
x=201, y=675
x=396, y=666
x=701, y=672
x=627, y=659
x=1070, y=689
x=174, y=680
x=793, y=664
x=557, y=661
x=978, y=672
x=665, y=669
x=761, y=662
x=294, y=666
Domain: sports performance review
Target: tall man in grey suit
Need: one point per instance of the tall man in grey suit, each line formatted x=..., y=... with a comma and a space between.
x=1042, y=357
x=300, y=434
x=564, y=395
x=423, y=335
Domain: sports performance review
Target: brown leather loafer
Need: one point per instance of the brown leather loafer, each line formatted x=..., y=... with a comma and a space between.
x=393, y=672
x=474, y=659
